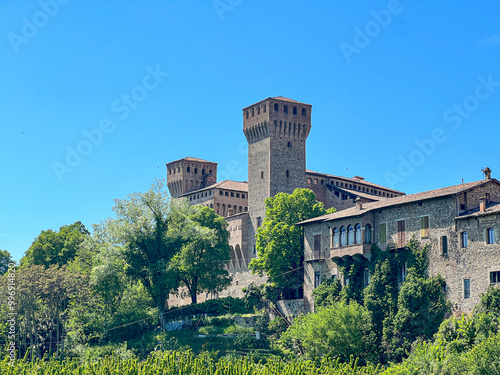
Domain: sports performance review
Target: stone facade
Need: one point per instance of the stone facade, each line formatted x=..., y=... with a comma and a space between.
x=437, y=218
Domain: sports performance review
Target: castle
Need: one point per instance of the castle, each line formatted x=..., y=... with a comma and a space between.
x=276, y=130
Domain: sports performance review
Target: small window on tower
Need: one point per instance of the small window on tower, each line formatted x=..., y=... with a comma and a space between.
x=303, y=111
x=294, y=110
x=258, y=110
x=287, y=173
x=264, y=108
x=243, y=196
x=276, y=107
x=246, y=114
x=188, y=169
x=262, y=174
x=253, y=112
x=196, y=170
x=285, y=108
x=232, y=194
x=202, y=171
x=289, y=144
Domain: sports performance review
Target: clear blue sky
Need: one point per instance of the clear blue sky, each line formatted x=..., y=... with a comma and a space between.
x=380, y=75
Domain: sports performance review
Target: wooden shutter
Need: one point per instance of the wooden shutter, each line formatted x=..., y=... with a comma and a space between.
x=401, y=233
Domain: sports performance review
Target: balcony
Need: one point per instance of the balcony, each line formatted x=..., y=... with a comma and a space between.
x=355, y=251
x=316, y=255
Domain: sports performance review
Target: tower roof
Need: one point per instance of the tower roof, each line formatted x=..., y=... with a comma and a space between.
x=189, y=158
x=281, y=98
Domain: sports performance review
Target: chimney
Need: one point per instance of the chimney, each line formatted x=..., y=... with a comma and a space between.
x=487, y=173
x=482, y=204
x=359, y=203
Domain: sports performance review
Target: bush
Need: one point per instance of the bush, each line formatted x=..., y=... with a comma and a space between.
x=215, y=307
x=338, y=331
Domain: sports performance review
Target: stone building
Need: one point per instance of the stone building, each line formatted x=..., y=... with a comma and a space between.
x=276, y=130
x=460, y=223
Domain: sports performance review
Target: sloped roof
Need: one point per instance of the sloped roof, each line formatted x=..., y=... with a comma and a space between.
x=493, y=208
x=354, y=180
x=226, y=184
x=190, y=158
x=431, y=194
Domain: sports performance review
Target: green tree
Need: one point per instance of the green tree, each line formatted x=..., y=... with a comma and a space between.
x=200, y=264
x=44, y=297
x=148, y=230
x=56, y=247
x=327, y=293
x=490, y=302
x=338, y=331
x=422, y=306
x=280, y=244
x=5, y=259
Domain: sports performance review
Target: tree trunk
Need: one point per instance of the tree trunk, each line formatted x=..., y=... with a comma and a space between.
x=163, y=317
x=193, y=290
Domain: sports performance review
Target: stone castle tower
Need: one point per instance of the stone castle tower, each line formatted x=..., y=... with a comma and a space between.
x=276, y=129
x=190, y=174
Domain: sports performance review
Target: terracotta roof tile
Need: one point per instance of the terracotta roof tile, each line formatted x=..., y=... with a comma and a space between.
x=189, y=158
x=226, y=184
x=354, y=180
x=431, y=194
x=491, y=209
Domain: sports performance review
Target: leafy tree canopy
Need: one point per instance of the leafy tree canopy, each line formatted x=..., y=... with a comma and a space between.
x=337, y=331
x=56, y=247
x=200, y=264
x=280, y=244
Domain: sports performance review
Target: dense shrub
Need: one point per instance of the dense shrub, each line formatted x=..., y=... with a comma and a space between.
x=215, y=307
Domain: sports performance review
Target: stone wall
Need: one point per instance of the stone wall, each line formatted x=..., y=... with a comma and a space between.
x=291, y=308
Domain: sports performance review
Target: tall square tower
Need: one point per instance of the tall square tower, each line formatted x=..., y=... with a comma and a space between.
x=276, y=129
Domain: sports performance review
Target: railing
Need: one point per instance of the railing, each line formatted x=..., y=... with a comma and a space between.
x=316, y=255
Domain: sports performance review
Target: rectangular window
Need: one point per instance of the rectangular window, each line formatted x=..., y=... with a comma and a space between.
x=276, y=108
x=465, y=239
x=317, y=242
x=188, y=169
x=243, y=196
x=232, y=194
x=264, y=108
x=237, y=195
x=383, y=233
x=317, y=279
x=424, y=226
x=294, y=110
x=495, y=277
x=444, y=245
x=220, y=192
x=226, y=193
x=401, y=233
x=259, y=222
x=490, y=236
x=466, y=288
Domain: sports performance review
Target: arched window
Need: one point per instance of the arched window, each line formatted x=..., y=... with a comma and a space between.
x=343, y=236
x=368, y=233
x=357, y=233
x=223, y=210
x=241, y=209
x=350, y=235
x=335, y=234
